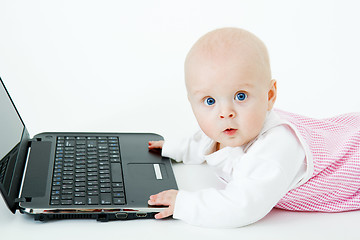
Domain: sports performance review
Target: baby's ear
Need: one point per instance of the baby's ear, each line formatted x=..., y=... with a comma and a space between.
x=272, y=94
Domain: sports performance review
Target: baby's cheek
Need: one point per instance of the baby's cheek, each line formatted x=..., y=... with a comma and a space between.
x=254, y=124
x=207, y=127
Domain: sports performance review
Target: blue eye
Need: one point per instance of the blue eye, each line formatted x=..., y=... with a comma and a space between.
x=241, y=96
x=209, y=101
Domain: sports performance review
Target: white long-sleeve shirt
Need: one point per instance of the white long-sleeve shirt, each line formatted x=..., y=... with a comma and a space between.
x=258, y=175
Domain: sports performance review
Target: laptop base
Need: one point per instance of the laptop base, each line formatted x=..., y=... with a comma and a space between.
x=101, y=217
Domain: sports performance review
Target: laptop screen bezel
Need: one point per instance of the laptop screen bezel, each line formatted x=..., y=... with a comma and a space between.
x=10, y=195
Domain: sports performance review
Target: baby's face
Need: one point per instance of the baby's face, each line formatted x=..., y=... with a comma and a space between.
x=229, y=97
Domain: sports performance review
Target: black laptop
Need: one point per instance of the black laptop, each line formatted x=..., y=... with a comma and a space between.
x=103, y=176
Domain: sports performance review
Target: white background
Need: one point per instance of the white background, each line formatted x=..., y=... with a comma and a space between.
x=114, y=66
x=82, y=65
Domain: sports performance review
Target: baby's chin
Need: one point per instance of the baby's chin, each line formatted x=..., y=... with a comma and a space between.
x=235, y=142
x=232, y=144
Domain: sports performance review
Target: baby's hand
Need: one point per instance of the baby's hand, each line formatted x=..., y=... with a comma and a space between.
x=156, y=144
x=166, y=198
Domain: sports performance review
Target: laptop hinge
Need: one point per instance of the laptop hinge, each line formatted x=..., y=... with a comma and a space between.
x=34, y=140
x=22, y=199
x=29, y=142
x=19, y=200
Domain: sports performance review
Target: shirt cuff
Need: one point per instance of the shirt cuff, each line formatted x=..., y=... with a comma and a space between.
x=170, y=149
x=180, y=205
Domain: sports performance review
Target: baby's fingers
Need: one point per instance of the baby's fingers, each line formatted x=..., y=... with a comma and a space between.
x=165, y=198
x=156, y=144
x=158, y=199
x=164, y=214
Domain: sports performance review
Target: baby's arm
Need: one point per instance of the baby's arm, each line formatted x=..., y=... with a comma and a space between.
x=165, y=198
x=186, y=150
x=259, y=180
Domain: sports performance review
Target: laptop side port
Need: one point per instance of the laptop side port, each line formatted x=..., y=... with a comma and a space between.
x=121, y=215
x=141, y=215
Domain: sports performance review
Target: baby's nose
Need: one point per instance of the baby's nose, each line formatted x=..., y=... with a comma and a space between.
x=230, y=114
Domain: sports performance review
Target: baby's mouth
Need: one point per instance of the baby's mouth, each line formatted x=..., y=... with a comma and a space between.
x=230, y=131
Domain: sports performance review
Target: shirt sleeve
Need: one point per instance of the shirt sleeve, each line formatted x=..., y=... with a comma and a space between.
x=186, y=150
x=261, y=177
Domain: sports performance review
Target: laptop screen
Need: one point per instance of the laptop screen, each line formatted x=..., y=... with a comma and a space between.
x=11, y=129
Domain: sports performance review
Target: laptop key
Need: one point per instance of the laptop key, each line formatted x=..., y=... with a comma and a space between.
x=55, y=197
x=93, y=200
x=69, y=143
x=80, y=184
x=79, y=201
x=116, y=172
x=116, y=190
x=119, y=201
x=55, y=202
x=94, y=192
x=80, y=194
x=105, y=198
x=105, y=190
x=67, y=192
x=66, y=202
x=119, y=194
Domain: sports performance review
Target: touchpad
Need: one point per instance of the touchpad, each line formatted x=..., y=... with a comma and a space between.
x=148, y=171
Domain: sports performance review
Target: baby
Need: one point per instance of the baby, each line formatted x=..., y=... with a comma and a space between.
x=267, y=157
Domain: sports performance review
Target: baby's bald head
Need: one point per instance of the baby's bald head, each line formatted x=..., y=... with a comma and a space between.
x=229, y=86
x=230, y=46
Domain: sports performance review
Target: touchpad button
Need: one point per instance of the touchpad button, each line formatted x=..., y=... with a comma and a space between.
x=148, y=171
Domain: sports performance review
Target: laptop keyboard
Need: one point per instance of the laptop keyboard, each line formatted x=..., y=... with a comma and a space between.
x=3, y=166
x=87, y=171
